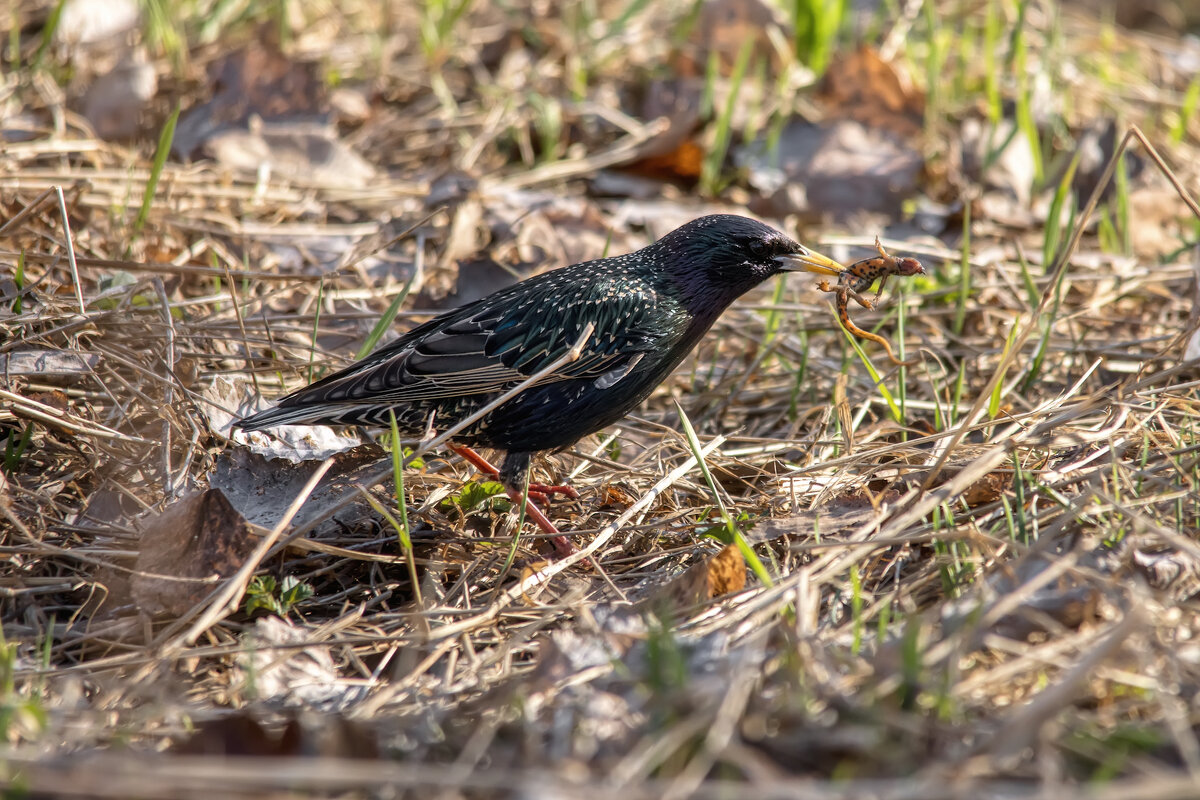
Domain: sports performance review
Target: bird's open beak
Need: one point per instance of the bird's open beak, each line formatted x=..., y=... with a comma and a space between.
x=809, y=261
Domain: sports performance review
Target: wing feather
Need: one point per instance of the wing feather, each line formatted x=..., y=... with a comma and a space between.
x=491, y=345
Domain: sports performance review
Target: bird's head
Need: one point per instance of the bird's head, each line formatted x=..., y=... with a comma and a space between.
x=718, y=258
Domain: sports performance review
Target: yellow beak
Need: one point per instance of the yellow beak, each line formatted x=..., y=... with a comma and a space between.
x=809, y=261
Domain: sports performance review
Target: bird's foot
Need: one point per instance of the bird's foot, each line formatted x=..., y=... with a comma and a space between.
x=538, y=492
x=562, y=545
x=542, y=492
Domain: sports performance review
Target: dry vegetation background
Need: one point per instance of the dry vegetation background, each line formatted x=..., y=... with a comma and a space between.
x=975, y=577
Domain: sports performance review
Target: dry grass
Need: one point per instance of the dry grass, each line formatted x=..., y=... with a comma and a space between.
x=982, y=569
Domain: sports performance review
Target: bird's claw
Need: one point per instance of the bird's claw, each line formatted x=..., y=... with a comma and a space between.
x=541, y=492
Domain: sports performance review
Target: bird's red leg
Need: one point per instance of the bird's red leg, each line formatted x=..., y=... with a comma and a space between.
x=562, y=545
x=540, y=492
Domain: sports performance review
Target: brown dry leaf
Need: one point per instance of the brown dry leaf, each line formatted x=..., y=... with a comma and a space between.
x=674, y=153
x=723, y=28
x=613, y=495
x=115, y=102
x=467, y=236
x=862, y=86
x=188, y=547
x=726, y=571
x=719, y=575
x=257, y=81
x=835, y=169
x=987, y=489
x=684, y=161
x=52, y=399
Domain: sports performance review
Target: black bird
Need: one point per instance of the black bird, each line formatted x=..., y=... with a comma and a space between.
x=649, y=309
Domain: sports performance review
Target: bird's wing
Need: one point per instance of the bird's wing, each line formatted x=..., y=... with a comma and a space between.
x=491, y=345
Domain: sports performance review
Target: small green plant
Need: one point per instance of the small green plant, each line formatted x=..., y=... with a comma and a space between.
x=548, y=123
x=19, y=281
x=403, y=532
x=475, y=495
x=744, y=521
x=165, y=30
x=856, y=608
x=263, y=593
x=998, y=390
x=438, y=20
x=15, y=447
x=21, y=716
x=666, y=661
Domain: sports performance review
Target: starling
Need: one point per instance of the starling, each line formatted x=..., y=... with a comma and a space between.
x=649, y=308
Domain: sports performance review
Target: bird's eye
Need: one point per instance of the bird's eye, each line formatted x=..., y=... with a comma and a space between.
x=758, y=247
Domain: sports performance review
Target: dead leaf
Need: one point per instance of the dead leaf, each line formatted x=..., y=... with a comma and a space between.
x=684, y=161
x=54, y=399
x=988, y=489
x=196, y=542
x=262, y=488
x=115, y=101
x=674, y=153
x=256, y=81
x=832, y=170
x=862, y=86
x=289, y=676
x=723, y=28
x=716, y=576
x=613, y=495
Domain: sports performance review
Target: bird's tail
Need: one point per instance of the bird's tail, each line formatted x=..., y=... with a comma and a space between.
x=280, y=415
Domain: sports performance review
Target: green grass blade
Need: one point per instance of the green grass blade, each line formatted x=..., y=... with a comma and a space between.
x=1053, y=231
x=402, y=529
x=312, y=350
x=714, y=159
x=998, y=389
x=48, y=34
x=1187, y=110
x=735, y=533
x=876, y=378
x=384, y=322
x=964, y=273
x=160, y=160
